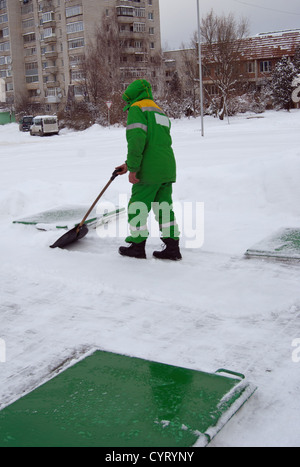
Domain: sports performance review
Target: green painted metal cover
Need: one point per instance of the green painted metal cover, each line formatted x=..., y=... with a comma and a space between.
x=283, y=244
x=66, y=217
x=114, y=400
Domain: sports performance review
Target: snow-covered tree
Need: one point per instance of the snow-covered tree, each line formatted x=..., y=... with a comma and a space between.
x=281, y=86
x=296, y=59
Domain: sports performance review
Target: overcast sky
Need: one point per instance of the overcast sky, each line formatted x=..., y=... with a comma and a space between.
x=179, y=17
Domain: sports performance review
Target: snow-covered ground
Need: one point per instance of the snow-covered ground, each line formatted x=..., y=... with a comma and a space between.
x=214, y=309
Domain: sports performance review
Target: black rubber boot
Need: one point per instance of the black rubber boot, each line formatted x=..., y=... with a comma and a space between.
x=171, y=250
x=135, y=250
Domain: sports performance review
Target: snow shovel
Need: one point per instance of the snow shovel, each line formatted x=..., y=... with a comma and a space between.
x=81, y=229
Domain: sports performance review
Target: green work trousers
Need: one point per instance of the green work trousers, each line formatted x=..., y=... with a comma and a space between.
x=159, y=198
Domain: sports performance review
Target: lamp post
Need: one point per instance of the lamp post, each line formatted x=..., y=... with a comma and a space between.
x=200, y=68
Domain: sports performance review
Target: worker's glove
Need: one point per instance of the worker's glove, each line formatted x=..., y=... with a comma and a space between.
x=122, y=169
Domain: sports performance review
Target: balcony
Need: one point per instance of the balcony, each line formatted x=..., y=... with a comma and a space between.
x=50, y=39
x=47, y=5
x=53, y=95
x=52, y=99
x=131, y=2
x=49, y=24
x=51, y=69
x=125, y=11
x=51, y=83
x=32, y=86
x=51, y=54
x=133, y=50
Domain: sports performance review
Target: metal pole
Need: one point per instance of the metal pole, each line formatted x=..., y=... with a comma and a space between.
x=200, y=68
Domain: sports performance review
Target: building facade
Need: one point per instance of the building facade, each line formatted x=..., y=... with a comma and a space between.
x=42, y=43
x=257, y=60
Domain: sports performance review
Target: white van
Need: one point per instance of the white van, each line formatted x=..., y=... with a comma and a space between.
x=44, y=125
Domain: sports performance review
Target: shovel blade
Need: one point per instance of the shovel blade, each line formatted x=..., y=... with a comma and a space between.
x=70, y=237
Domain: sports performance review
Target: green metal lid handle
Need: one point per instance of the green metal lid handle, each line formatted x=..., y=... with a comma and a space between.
x=233, y=373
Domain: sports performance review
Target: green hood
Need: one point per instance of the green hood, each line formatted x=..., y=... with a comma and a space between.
x=137, y=91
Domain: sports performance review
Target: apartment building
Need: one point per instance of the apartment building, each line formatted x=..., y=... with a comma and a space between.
x=42, y=43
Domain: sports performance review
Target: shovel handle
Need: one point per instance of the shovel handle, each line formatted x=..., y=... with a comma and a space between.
x=114, y=175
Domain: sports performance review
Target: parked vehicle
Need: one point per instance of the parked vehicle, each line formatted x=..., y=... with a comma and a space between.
x=25, y=123
x=44, y=125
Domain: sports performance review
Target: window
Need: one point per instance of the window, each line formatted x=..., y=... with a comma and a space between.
x=5, y=60
x=28, y=23
x=265, y=67
x=139, y=27
x=76, y=75
x=3, y=18
x=4, y=46
x=29, y=37
x=31, y=69
x=4, y=33
x=206, y=71
x=250, y=67
x=27, y=8
x=75, y=43
x=140, y=12
x=50, y=92
x=76, y=60
x=9, y=87
x=212, y=90
x=73, y=11
x=78, y=91
x=2, y=3
x=46, y=17
x=32, y=93
x=125, y=11
x=48, y=32
x=30, y=51
x=74, y=27
x=32, y=79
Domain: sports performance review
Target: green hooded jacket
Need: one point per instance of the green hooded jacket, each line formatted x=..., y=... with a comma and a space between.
x=150, y=152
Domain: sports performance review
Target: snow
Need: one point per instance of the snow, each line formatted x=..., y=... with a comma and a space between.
x=214, y=309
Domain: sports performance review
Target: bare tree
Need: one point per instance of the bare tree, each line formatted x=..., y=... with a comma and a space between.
x=190, y=71
x=223, y=41
x=101, y=64
x=112, y=62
